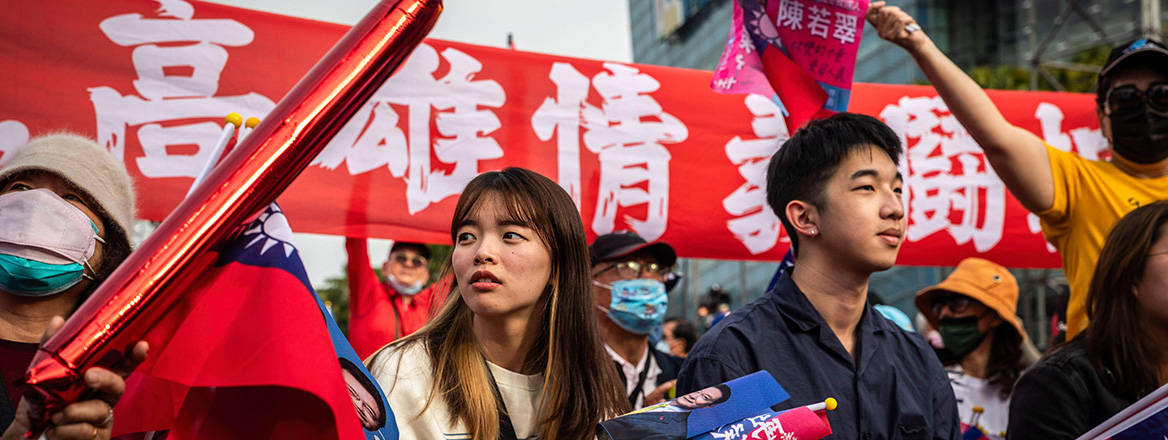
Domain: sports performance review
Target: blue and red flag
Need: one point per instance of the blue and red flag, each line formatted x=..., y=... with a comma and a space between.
x=1154, y=427
x=971, y=432
x=251, y=352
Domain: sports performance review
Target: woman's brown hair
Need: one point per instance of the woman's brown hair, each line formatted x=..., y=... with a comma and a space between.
x=1116, y=340
x=1006, y=362
x=580, y=386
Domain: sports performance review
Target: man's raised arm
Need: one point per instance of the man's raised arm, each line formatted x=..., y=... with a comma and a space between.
x=1017, y=156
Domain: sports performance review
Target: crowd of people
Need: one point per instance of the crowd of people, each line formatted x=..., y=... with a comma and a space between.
x=533, y=332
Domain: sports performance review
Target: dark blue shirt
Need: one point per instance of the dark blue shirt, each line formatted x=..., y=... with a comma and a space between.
x=895, y=389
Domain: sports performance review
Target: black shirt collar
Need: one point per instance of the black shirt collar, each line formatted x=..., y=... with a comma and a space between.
x=793, y=304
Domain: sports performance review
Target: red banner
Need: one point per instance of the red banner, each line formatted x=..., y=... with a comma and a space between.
x=639, y=147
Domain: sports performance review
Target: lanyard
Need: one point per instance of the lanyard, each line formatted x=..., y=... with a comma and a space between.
x=506, y=429
x=638, y=389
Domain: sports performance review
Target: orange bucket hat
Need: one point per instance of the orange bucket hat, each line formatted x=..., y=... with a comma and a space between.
x=985, y=281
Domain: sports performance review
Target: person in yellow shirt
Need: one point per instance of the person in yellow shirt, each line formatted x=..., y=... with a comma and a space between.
x=1078, y=200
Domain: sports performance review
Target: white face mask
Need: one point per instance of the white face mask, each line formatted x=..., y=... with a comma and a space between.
x=39, y=225
x=45, y=243
x=404, y=289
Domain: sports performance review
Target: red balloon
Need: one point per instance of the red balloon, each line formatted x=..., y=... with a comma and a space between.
x=146, y=286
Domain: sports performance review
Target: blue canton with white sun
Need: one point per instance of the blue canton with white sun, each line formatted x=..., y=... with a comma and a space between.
x=267, y=242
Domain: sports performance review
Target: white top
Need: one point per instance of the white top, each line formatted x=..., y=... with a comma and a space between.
x=972, y=391
x=406, y=376
x=633, y=372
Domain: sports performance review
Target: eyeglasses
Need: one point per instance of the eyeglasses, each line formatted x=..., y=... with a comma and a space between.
x=409, y=262
x=1128, y=97
x=955, y=303
x=628, y=270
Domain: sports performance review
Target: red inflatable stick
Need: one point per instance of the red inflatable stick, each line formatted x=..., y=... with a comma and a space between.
x=148, y=283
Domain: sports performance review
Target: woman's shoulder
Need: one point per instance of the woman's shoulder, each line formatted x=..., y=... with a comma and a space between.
x=1070, y=358
x=1066, y=370
x=399, y=360
x=404, y=371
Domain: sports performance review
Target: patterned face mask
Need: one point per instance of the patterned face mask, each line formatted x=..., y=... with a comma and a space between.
x=637, y=305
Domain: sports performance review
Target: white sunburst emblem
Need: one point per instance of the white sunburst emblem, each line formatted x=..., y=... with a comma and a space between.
x=271, y=229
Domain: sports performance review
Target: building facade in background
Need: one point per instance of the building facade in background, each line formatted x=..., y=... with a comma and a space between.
x=1034, y=36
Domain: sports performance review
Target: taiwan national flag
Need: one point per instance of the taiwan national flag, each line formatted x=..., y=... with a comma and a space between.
x=1154, y=427
x=250, y=352
x=970, y=432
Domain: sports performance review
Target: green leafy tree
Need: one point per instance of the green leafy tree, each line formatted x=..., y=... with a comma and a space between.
x=439, y=254
x=1018, y=78
x=335, y=294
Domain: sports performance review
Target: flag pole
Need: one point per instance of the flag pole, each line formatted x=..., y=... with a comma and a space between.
x=231, y=123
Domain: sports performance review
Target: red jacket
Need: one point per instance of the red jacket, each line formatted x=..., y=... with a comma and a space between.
x=375, y=309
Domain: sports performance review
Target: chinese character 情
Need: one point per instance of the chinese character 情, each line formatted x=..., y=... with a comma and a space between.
x=627, y=132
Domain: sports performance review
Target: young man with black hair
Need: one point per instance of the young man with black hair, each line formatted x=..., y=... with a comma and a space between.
x=836, y=189
x=1077, y=199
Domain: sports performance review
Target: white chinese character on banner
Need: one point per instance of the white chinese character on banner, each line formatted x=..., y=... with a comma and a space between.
x=951, y=186
x=373, y=139
x=562, y=116
x=1089, y=142
x=790, y=15
x=845, y=28
x=1035, y=225
x=178, y=61
x=817, y=23
x=627, y=132
x=754, y=224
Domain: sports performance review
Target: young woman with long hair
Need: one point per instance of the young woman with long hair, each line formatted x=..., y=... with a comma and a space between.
x=514, y=352
x=1123, y=353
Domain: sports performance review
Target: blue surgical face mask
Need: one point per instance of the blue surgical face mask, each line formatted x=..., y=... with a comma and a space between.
x=25, y=277
x=402, y=288
x=637, y=305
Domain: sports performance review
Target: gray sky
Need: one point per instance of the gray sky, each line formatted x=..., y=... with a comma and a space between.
x=597, y=29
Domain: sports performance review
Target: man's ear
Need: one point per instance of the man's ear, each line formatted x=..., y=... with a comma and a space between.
x=385, y=269
x=803, y=217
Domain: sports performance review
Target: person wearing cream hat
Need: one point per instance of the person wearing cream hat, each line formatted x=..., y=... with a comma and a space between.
x=974, y=310
x=66, y=206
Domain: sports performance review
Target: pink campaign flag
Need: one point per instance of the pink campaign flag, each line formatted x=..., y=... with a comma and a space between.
x=799, y=53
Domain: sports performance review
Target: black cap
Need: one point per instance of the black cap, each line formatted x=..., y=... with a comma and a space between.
x=622, y=243
x=420, y=248
x=1125, y=52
